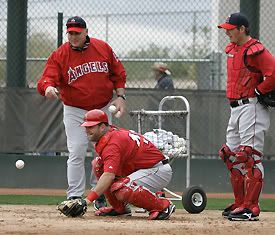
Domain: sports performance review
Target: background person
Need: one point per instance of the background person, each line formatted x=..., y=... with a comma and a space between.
x=86, y=71
x=163, y=77
x=250, y=75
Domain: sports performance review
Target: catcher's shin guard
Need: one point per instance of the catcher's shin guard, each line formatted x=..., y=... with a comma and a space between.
x=119, y=206
x=129, y=192
x=237, y=182
x=253, y=185
x=253, y=181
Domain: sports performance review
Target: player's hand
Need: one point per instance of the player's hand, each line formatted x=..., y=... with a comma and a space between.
x=120, y=105
x=51, y=92
x=261, y=97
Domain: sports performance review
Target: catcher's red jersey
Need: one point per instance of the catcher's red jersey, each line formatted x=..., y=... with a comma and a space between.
x=242, y=81
x=124, y=152
x=87, y=78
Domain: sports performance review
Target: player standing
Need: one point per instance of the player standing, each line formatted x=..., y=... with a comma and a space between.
x=250, y=71
x=86, y=71
x=129, y=169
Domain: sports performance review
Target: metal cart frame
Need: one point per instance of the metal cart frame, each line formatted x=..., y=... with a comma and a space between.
x=185, y=114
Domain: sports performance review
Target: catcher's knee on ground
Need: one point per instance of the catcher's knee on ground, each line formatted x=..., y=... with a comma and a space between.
x=129, y=192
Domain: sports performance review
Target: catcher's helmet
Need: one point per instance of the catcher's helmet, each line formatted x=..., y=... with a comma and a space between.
x=94, y=117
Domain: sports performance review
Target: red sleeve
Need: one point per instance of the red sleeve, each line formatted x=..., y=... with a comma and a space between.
x=111, y=157
x=265, y=62
x=50, y=75
x=117, y=71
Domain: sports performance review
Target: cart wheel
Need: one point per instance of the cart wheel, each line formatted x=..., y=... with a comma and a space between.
x=194, y=199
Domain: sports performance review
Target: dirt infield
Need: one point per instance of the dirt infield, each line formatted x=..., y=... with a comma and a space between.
x=25, y=219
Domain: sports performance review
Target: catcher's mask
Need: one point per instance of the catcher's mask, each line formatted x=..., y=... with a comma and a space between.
x=95, y=117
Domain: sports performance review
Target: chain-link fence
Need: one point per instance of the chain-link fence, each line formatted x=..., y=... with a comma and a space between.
x=183, y=34
x=140, y=34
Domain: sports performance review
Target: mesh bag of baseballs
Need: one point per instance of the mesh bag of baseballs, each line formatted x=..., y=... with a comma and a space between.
x=170, y=144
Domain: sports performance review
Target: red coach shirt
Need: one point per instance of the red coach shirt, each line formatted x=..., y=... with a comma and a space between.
x=86, y=79
x=124, y=152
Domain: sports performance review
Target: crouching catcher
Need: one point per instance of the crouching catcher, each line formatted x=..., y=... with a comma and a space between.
x=129, y=169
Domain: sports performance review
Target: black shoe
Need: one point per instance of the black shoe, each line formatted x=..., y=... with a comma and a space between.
x=243, y=215
x=100, y=202
x=166, y=213
x=227, y=210
x=74, y=197
x=110, y=211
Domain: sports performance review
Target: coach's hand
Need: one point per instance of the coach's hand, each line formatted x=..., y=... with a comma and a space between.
x=51, y=92
x=120, y=104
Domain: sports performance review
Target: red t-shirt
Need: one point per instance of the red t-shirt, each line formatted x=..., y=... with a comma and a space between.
x=124, y=152
x=86, y=79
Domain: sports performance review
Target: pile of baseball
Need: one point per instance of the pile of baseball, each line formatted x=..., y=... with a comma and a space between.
x=170, y=144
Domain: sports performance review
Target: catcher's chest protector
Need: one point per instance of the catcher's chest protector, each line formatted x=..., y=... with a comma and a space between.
x=241, y=82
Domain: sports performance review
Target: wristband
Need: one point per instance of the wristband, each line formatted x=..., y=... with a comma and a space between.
x=92, y=195
x=122, y=96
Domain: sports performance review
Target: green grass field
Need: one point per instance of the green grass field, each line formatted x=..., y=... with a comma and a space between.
x=212, y=203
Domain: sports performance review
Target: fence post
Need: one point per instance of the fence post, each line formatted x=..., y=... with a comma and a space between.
x=16, y=43
x=59, y=29
x=252, y=10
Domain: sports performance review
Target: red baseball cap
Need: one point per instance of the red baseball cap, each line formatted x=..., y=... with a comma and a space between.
x=235, y=20
x=76, y=24
x=94, y=117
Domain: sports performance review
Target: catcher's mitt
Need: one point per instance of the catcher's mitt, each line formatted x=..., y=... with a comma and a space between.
x=73, y=208
x=268, y=99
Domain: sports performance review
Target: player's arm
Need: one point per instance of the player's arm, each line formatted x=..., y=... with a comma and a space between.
x=116, y=70
x=266, y=63
x=50, y=78
x=104, y=182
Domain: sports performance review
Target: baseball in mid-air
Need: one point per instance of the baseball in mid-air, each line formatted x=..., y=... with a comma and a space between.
x=112, y=108
x=20, y=164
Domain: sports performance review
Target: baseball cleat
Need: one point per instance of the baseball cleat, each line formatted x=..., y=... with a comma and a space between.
x=110, y=211
x=243, y=215
x=163, y=215
x=228, y=210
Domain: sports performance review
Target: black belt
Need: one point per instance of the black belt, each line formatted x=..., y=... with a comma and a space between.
x=236, y=103
x=166, y=161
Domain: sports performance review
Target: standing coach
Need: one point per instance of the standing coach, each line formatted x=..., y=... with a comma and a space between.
x=84, y=71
